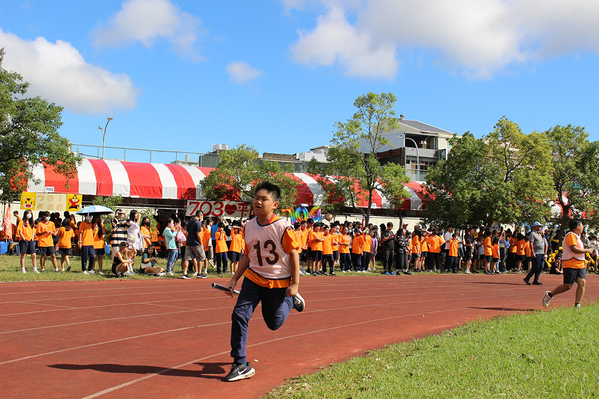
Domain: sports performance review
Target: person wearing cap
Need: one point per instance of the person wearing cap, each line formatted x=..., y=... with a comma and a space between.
x=538, y=247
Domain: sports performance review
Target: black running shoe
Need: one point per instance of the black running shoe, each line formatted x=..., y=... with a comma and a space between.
x=240, y=372
x=406, y=273
x=298, y=303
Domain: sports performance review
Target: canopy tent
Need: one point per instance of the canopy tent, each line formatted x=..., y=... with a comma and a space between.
x=168, y=181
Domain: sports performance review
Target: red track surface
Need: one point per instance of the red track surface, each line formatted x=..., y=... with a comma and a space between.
x=170, y=338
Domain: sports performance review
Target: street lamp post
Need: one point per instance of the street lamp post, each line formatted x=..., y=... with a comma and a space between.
x=104, y=135
x=403, y=136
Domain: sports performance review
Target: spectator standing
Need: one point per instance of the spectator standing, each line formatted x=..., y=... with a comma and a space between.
x=388, y=247
x=25, y=234
x=538, y=247
x=169, y=234
x=65, y=236
x=45, y=231
x=194, y=250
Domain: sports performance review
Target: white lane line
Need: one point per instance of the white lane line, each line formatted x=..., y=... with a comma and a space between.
x=111, y=319
x=126, y=384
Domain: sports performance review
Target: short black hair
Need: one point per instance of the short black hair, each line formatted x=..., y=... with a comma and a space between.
x=272, y=189
x=574, y=223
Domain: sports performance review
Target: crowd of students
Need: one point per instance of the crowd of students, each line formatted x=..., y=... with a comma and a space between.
x=326, y=249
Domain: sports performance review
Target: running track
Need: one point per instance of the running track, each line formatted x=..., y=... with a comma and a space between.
x=170, y=338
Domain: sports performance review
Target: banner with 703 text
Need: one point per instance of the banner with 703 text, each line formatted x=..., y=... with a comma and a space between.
x=226, y=209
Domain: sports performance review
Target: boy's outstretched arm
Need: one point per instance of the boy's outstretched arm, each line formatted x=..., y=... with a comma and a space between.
x=295, y=264
x=244, y=263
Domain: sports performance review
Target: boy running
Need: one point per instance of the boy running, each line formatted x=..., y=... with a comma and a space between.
x=572, y=264
x=271, y=269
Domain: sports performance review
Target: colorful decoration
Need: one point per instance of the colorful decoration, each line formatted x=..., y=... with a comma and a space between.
x=301, y=213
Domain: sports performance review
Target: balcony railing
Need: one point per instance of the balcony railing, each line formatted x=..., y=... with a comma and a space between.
x=422, y=152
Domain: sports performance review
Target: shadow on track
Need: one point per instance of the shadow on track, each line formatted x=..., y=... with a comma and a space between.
x=207, y=370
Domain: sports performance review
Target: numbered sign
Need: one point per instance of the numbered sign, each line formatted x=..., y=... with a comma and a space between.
x=226, y=209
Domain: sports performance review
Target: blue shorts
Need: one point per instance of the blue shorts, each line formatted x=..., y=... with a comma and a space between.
x=65, y=251
x=570, y=275
x=316, y=255
x=27, y=247
x=46, y=250
x=234, y=256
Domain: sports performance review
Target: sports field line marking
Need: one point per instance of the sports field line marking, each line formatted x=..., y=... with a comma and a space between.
x=111, y=319
x=126, y=384
x=228, y=321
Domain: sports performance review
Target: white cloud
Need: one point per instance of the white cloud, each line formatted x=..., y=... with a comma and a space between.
x=335, y=40
x=241, y=72
x=58, y=73
x=478, y=38
x=146, y=21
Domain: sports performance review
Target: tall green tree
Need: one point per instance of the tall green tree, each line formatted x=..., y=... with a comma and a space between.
x=28, y=136
x=504, y=177
x=575, y=172
x=238, y=172
x=353, y=158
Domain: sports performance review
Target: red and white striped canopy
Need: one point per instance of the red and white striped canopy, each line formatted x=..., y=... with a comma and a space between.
x=168, y=181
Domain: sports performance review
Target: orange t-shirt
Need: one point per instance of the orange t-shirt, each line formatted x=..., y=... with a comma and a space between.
x=488, y=246
x=205, y=235
x=146, y=232
x=453, y=247
x=513, y=246
x=98, y=242
x=43, y=233
x=357, y=245
x=415, y=245
x=367, y=243
x=521, y=244
x=527, y=250
x=26, y=230
x=315, y=244
x=303, y=238
x=495, y=251
x=423, y=245
x=327, y=245
x=343, y=244
x=335, y=241
x=237, y=242
x=572, y=263
x=221, y=242
x=64, y=237
x=86, y=231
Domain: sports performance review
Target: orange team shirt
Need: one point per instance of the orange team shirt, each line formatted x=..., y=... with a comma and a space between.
x=488, y=246
x=434, y=244
x=357, y=245
x=573, y=263
x=221, y=242
x=237, y=242
x=513, y=246
x=298, y=238
x=205, y=236
x=495, y=251
x=343, y=244
x=423, y=246
x=308, y=241
x=415, y=245
x=86, y=231
x=316, y=245
x=327, y=245
x=335, y=241
x=155, y=235
x=367, y=243
x=303, y=239
x=26, y=230
x=44, y=232
x=453, y=247
x=98, y=242
x=521, y=244
x=527, y=250
x=146, y=232
x=64, y=237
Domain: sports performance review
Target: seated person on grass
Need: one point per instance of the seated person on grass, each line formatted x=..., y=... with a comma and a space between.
x=148, y=262
x=122, y=264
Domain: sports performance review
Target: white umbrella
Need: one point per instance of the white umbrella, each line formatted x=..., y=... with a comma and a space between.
x=95, y=210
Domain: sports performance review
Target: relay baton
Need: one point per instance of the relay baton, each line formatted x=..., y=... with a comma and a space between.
x=223, y=288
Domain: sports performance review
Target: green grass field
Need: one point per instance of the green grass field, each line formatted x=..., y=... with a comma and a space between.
x=10, y=270
x=548, y=354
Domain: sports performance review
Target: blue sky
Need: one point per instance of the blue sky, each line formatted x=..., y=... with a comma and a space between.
x=277, y=75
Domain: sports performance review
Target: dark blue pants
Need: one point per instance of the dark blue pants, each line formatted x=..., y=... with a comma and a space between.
x=221, y=259
x=87, y=254
x=356, y=262
x=401, y=260
x=451, y=263
x=365, y=260
x=536, y=268
x=345, y=262
x=328, y=259
x=275, y=309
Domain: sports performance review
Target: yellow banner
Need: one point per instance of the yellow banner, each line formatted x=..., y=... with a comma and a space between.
x=51, y=202
x=74, y=202
x=28, y=201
